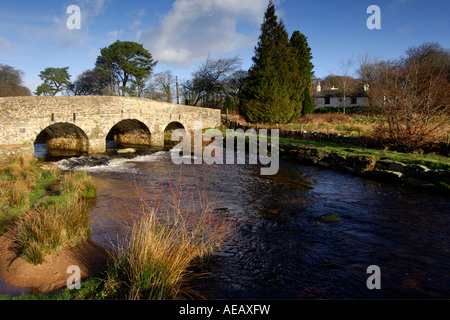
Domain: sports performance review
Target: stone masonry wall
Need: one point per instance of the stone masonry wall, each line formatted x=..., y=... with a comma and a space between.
x=22, y=119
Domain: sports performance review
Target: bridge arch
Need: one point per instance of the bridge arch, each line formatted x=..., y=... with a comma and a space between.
x=169, y=129
x=62, y=136
x=129, y=132
x=24, y=118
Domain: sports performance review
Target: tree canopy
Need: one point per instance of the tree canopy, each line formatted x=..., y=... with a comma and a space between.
x=274, y=90
x=11, y=84
x=90, y=82
x=123, y=61
x=303, y=52
x=55, y=80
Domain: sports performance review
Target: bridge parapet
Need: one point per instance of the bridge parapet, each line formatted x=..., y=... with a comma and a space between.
x=23, y=119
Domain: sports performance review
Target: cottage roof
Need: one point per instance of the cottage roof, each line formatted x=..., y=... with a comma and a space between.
x=337, y=94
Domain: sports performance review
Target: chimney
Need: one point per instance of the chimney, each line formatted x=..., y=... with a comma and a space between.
x=319, y=88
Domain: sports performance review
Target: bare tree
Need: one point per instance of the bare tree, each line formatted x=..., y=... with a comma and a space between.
x=165, y=83
x=412, y=94
x=90, y=82
x=209, y=83
x=236, y=84
x=346, y=84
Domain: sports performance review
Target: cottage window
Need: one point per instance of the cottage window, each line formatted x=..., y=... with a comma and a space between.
x=327, y=100
x=354, y=100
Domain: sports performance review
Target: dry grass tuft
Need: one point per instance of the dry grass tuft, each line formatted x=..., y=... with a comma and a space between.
x=173, y=231
x=54, y=228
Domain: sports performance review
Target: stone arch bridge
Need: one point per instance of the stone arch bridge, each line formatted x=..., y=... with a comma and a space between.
x=85, y=123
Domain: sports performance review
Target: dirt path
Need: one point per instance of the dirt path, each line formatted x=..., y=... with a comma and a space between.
x=52, y=275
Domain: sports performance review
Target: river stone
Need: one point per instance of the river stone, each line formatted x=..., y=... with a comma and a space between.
x=383, y=175
x=129, y=150
x=335, y=160
x=389, y=165
x=419, y=183
x=310, y=155
x=328, y=218
x=323, y=164
x=361, y=163
x=416, y=170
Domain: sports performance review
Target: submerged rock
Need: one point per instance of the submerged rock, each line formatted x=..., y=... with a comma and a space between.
x=384, y=175
x=419, y=183
x=328, y=218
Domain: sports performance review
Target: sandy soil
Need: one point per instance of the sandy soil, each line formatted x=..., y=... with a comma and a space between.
x=52, y=275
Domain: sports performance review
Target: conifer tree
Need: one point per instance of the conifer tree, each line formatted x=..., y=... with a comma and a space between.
x=304, y=56
x=273, y=93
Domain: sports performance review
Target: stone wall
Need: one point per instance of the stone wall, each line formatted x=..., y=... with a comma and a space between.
x=22, y=119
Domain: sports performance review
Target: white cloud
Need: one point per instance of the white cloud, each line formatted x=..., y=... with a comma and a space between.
x=58, y=32
x=193, y=29
x=93, y=7
x=70, y=39
x=7, y=46
x=137, y=21
x=115, y=34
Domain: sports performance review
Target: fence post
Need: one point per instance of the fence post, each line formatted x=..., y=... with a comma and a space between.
x=448, y=143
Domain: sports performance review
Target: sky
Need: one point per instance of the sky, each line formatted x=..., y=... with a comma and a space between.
x=181, y=34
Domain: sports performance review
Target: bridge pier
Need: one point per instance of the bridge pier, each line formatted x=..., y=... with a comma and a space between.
x=157, y=140
x=83, y=123
x=97, y=146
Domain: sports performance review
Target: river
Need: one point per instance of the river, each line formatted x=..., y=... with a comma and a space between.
x=279, y=251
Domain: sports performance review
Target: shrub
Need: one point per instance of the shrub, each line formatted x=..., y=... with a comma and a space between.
x=348, y=110
x=308, y=104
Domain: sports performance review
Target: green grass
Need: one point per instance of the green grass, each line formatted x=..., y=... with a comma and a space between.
x=47, y=230
x=431, y=161
x=60, y=221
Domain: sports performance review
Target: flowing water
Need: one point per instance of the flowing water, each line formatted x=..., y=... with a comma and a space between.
x=279, y=250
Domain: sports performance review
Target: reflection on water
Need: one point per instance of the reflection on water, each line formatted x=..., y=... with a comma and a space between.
x=279, y=251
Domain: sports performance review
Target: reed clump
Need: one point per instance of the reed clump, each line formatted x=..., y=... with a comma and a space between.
x=41, y=223
x=54, y=228
x=166, y=240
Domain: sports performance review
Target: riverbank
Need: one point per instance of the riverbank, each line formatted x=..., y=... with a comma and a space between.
x=155, y=260
x=423, y=171
x=44, y=221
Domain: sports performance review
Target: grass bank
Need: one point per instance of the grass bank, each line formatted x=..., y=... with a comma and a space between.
x=169, y=240
x=44, y=210
x=430, y=161
x=358, y=124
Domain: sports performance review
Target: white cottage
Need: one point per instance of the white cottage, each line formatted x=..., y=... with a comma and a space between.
x=333, y=98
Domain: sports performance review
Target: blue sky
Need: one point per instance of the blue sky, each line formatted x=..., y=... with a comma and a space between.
x=181, y=34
